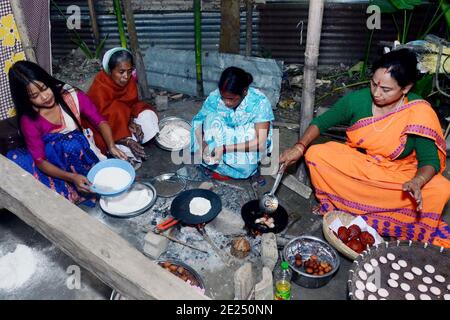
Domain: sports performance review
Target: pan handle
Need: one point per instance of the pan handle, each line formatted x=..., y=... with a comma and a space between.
x=163, y=226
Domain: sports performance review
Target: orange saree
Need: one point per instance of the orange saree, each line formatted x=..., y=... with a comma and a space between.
x=117, y=104
x=370, y=184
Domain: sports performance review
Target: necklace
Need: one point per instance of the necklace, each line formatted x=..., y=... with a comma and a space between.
x=399, y=104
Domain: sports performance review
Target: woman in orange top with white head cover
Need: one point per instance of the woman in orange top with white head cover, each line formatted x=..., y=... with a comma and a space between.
x=115, y=93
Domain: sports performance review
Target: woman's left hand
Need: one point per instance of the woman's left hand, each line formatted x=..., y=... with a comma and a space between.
x=413, y=186
x=117, y=153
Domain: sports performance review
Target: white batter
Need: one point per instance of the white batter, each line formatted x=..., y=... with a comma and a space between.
x=111, y=179
x=174, y=136
x=199, y=206
x=131, y=201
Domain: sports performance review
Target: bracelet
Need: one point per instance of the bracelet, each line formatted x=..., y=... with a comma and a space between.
x=224, y=149
x=303, y=145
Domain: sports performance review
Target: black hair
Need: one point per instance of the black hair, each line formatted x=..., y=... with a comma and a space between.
x=118, y=57
x=235, y=80
x=20, y=75
x=401, y=64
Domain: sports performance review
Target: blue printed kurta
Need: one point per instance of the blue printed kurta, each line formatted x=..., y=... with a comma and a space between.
x=225, y=126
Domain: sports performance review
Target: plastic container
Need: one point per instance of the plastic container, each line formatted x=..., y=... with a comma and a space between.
x=283, y=277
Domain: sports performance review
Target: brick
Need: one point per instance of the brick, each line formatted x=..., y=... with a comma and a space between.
x=269, y=250
x=155, y=245
x=264, y=288
x=243, y=282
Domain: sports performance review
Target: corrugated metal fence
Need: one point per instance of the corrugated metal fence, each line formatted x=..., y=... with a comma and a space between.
x=280, y=30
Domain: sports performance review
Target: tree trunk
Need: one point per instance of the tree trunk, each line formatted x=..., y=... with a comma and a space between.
x=229, y=26
x=27, y=45
x=134, y=45
x=249, y=22
x=94, y=23
x=310, y=70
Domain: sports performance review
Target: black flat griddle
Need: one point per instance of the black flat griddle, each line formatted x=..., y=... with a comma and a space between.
x=179, y=208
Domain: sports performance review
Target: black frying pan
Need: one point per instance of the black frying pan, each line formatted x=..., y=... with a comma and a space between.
x=179, y=208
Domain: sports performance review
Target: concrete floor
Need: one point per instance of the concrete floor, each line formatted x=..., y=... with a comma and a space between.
x=50, y=281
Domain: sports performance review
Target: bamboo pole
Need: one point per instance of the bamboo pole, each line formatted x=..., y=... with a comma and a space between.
x=249, y=22
x=310, y=70
x=134, y=45
x=94, y=23
x=21, y=24
x=198, y=47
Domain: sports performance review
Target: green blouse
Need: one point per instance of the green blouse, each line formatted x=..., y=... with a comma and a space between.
x=357, y=105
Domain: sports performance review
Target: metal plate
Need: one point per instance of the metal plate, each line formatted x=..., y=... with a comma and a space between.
x=104, y=202
x=415, y=254
x=169, y=181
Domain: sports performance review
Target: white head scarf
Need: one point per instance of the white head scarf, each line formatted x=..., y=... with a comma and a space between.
x=107, y=57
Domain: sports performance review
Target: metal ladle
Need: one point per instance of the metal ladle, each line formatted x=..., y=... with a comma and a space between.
x=269, y=202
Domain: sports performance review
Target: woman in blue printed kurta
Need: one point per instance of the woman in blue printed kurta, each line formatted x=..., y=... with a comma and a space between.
x=234, y=125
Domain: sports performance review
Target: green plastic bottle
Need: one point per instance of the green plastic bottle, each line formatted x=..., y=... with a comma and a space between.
x=283, y=282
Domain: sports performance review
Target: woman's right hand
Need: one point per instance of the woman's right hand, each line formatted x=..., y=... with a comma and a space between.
x=291, y=155
x=81, y=183
x=136, y=149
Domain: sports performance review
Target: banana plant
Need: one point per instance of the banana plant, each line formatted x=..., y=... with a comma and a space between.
x=80, y=42
x=393, y=6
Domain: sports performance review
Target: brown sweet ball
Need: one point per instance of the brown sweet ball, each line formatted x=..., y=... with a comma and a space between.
x=173, y=268
x=298, y=256
x=309, y=270
x=314, y=258
x=366, y=239
x=298, y=263
x=355, y=245
x=354, y=231
x=343, y=234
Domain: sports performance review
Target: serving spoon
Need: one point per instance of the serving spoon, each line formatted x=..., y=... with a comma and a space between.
x=269, y=202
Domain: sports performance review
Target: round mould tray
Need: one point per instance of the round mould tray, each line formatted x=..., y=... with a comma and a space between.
x=402, y=269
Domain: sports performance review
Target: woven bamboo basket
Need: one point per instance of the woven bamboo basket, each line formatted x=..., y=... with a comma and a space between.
x=332, y=239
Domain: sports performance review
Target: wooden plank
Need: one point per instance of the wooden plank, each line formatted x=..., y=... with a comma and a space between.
x=295, y=185
x=89, y=242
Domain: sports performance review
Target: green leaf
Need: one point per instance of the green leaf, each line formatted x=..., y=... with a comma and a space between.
x=100, y=46
x=356, y=68
x=385, y=5
x=424, y=86
x=406, y=4
x=445, y=8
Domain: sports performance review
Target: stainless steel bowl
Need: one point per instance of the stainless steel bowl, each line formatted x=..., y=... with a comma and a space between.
x=185, y=124
x=307, y=246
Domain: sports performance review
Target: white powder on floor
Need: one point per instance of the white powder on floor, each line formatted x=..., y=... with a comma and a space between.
x=199, y=206
x=174, y=136
x=112, y=179
x=17, y=267
x=131, y=201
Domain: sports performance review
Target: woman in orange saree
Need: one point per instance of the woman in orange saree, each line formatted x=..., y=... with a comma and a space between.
x=114, y=92
x=399, y=192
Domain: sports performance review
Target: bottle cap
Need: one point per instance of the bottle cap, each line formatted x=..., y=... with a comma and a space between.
x=284, y=265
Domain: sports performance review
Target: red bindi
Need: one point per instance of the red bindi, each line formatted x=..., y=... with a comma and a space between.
x=379, y=83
